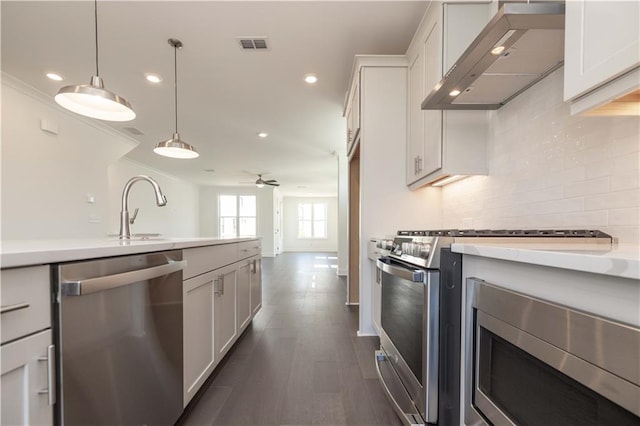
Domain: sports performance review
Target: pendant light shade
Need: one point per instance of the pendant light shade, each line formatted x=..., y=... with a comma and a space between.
x=176, y=147
x=93, y=100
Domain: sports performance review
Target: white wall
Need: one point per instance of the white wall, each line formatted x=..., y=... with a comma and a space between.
x=277, y=221
x=265, y=211
x=290, y=217
x=47, y=178
x=179, y=218
x=548, y=169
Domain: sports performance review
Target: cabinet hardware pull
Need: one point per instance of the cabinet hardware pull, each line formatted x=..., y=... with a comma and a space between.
x=50, y=359
x=220, y=281
x=10, y=308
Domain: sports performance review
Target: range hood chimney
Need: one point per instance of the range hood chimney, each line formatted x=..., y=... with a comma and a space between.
x=521, y=45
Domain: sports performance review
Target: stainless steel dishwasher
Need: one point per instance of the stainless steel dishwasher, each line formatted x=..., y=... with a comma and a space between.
x=119, y=334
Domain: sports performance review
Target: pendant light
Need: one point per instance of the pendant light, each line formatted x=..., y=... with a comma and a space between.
x=93, y=100
x=175, y=147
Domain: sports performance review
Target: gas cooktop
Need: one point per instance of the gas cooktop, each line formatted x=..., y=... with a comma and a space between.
x=556, y=233
x=422, y=248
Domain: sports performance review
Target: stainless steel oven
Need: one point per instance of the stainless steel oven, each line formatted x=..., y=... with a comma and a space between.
x=419, y=356
x=409, y=329
x=531, y=362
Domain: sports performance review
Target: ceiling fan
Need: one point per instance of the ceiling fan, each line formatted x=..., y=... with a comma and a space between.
x=261, y=182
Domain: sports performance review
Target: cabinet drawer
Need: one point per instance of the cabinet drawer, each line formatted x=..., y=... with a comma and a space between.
x=249, y=248
x=204, y=259
x=25, y=300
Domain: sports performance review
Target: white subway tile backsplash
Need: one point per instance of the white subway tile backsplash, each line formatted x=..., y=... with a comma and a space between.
x=624, y=217
x=613, y=200
x=589, y=187
x=548, y=169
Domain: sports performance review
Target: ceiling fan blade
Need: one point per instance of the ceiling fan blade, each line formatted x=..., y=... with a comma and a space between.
x=270, y=180
x=271, y=183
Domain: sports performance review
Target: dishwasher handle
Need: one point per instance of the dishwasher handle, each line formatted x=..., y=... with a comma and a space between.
x=93, y=285
x=413, y=275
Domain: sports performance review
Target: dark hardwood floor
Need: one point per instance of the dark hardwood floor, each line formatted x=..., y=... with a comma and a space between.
x=300, y=362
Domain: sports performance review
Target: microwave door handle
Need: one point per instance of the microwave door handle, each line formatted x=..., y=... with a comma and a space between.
x=93, y=285
x=413, y=275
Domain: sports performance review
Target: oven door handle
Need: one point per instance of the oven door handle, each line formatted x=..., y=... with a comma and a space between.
x=413, y=275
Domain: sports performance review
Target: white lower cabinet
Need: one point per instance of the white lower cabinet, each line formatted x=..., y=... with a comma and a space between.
x=220, y=292
x=26, y=379
x=244, y=294
x=225, y=326
x=199, y=350
x=256, y=284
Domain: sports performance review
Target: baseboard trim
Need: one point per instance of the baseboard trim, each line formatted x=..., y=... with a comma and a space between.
x=343, y=272
x=352, y=304
x=359, y=334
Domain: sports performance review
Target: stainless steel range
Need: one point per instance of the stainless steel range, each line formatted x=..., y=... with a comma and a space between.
x=419, y=358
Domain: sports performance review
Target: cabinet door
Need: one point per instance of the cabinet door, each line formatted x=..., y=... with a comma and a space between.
x=602, y=41
x=256, y=285
x=26, y=380
x=432, y=52
x=415, y=140
x=198, y=314
x=244, y=293
x=224, y=307
x=352, y=114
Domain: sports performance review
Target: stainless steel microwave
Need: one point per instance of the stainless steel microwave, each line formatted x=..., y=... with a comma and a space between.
x=531, y=362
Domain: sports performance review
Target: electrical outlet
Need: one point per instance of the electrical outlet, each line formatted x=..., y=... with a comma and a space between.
x=467, y=223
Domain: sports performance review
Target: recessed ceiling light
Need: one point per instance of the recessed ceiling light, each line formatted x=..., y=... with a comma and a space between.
x=153, y=78
x=455, y=92
x=497, y=50
x=54, y=76
x=209, y=170
x=311, y=78
x=263, y=134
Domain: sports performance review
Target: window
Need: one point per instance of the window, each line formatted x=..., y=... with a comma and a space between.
x=312, y=220
x=237, y=214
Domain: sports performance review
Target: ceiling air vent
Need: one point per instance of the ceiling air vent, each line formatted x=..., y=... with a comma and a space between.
x=253, y=43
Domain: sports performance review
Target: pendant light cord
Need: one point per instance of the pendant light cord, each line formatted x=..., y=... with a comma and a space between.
x=95, y=14
x=175, y=73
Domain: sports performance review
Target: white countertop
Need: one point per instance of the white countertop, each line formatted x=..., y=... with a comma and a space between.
x=16, y=253
x=618, y=260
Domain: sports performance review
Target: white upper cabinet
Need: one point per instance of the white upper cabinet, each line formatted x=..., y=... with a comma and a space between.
x=352, y=113
x=602, y=52
x=443, y=144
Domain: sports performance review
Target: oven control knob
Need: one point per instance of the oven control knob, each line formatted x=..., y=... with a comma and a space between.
x=385, y=244
x=416, y=249
x=424, y=250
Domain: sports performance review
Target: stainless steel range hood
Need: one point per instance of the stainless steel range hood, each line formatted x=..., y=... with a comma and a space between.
x=522, y=44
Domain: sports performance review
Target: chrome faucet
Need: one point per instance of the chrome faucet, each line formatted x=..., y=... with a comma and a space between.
x=161, y=200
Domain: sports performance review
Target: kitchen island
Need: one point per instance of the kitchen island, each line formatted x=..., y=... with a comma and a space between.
x=16, y=253
x=215, y=291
